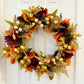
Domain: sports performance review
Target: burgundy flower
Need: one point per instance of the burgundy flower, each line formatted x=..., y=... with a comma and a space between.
x=11, y=41
x=62, y=30
x=67, y=55
x=41, y=14
x=34, y=63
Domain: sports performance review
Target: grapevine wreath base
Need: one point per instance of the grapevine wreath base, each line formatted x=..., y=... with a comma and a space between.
x=20, y=31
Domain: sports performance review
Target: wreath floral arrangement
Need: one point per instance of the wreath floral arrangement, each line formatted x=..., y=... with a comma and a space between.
x=30, y=21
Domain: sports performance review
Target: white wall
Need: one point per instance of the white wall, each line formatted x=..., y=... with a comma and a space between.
x=74, y=9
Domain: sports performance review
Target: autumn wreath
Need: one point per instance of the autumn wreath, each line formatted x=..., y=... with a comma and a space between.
x=30, y=21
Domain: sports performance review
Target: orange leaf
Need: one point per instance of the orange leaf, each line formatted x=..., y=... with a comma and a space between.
x=8, y=33
x=55, y=36
x=68, y=51
x=35, y=26
x=28, y=37
x=41, y=69
x=32, y=55
x=14, y=37
x=29, y=69
x=8, y=56
x=12, y=61
x=25, y=17
x=50, y=32
x=68, y=61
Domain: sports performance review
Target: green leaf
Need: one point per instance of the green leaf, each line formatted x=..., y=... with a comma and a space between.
x=9, y=22
x=55, y=12
x=21, y=66
x=51, y=75
x=63, y=54
x=14, y=20
x=72, y=25
x=41, y=52
x=16, y=60
x=22, y=24
x=3, y=56
x=38, y=6
x=75, y=42
x=36, y=29
x=38, y=67
x=25, y=11
x=24, y=43
x=43, y=66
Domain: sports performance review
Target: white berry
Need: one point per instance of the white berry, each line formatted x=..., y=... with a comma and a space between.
x=39, y=22
x=65, y=45
x=22, y=62
x=53, y=59
x=69, y=47
x=22, y=47
x=17, y=22
x=51, y=17
x=20, y=29
x=46, y=18
x=4, y=52
x=61, y=59
x=15, y=27
x=17, y=32
x=33, y=23
x=41, y=25
x=40, y=63
x=47, y=22
x=36, y=20
x=55, y=22
x=15, y=49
